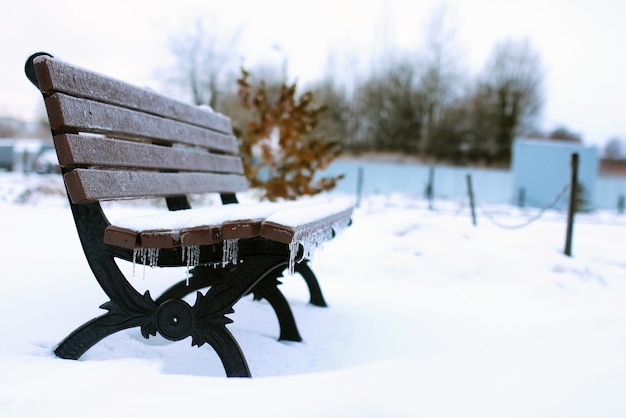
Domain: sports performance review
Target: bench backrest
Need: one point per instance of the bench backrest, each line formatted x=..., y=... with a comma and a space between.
x=116, y=141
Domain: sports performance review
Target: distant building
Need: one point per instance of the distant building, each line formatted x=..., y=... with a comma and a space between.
x=24, y=154
x=542, y=169
x=7, y=155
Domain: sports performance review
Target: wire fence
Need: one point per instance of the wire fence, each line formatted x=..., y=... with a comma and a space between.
x=490, y=216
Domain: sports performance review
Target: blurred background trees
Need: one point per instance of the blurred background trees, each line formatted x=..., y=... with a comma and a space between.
x=205, y=59
x=422, y=104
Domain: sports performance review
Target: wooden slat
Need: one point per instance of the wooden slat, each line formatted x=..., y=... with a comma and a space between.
x=186, y=237
x=278, y=232
x=288, y=233
x=192, y=235
x=126, y=238
x=91, y=185
x=160, y=239
x=85, y=150
x=202, y=235
x=241, y=229
x=121, y=237
x=55, y=75
x=206, y=235
x=72, y=115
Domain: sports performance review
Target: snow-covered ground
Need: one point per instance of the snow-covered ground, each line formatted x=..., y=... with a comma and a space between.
x=429, y=316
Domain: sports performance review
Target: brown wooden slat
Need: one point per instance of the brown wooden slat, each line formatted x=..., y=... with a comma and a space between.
x=126, y=238
x=277, y=232
x=55, y=75
x=185, y=237
x=214, y=234
x=289, y=233
x=91, y=185
x=160, y=239
x=86, y=150
x=241, y=229
x=202, y=235
x=121, y=237
x=72, y=115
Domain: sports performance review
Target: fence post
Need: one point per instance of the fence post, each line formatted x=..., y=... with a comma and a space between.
x=470, y=192
x=359, y=186
x=571, y=210
x=430, y=187
x=620, y=204
x=521, y=197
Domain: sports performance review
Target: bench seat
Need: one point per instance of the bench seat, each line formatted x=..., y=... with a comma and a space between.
x=283, y=222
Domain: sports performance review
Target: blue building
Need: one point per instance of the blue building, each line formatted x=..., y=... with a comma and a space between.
x=542, y=168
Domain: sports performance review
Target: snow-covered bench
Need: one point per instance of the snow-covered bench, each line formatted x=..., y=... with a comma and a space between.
x=117, y=141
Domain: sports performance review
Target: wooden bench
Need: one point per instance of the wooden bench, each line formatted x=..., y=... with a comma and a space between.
x=118, y=141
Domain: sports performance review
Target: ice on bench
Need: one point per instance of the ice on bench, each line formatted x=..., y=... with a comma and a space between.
x=312, y=226
x=303, y=217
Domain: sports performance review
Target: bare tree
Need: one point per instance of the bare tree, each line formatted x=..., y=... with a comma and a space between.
x=204, y=57
x=511, y=92
x=562, y=133
x=389, y=110
x=337, y=123
x=17, y=128
x=8, y=128
x=614, y=148
x=439, y=77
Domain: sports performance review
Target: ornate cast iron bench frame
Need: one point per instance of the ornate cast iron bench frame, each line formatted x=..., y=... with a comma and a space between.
x=118, y=141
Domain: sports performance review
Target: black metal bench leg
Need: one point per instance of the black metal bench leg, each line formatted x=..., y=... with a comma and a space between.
x=206, y=320
x=315, y=291
x=89, y=334
x=229, y=352
x=268, y=289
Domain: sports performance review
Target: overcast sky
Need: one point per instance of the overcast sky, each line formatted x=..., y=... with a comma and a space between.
x=581, y=43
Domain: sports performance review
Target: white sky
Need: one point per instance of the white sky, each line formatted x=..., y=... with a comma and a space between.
x=580, y=41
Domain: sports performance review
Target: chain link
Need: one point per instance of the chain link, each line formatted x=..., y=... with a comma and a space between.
x=530, y=220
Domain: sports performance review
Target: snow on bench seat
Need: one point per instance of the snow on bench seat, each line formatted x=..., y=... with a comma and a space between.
x=187, y=227
x=284, y=222
x=293, y=225
x=307, y=227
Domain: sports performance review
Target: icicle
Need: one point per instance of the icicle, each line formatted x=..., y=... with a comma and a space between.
x=340, y=226
x=312, y=242
x=191, y=256
x=294, y=246
x=142, y=253
x=153, y=257
x=135, y=254
x=230, y=251
x=147, y=256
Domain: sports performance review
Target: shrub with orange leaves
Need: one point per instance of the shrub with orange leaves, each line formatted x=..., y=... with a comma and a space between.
x=280, y=149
